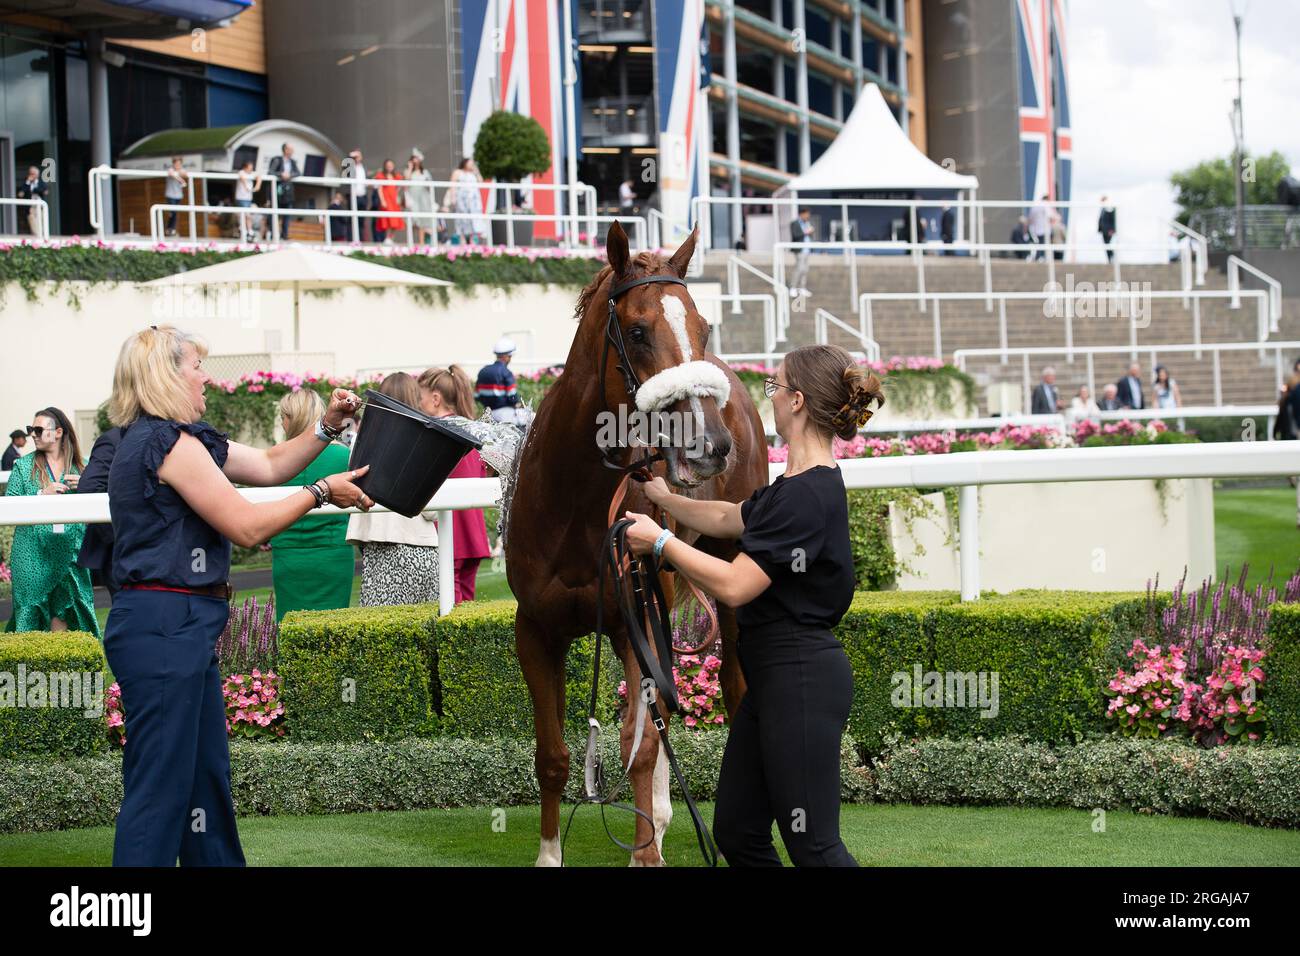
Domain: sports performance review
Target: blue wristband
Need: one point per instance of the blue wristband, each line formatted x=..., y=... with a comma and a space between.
x=660, y=541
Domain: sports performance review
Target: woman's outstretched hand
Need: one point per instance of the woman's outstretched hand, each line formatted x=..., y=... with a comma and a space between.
x=641, y=536
x=345, y=494
x=342, y=408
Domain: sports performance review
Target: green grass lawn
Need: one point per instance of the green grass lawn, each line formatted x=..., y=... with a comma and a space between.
x=877, y=835
x=1257, y=526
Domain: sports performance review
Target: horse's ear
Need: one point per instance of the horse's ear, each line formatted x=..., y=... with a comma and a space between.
x=682, y=257
x=616, y=250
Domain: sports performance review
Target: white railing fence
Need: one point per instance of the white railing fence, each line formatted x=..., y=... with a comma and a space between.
x=1153, y=352
x=964, y=470
x=1235, y=267
x=42, y=209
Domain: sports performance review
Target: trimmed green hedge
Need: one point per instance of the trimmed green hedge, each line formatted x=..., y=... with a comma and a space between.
x=49, y=670
x=1247, y=784
x=483, y=692
x=1282, y=673
x=361, y=673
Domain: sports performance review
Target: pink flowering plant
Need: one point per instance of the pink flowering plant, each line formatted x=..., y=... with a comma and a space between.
x=254, y=707
x=115, y=716
x=696, y=676
x=1207, y=681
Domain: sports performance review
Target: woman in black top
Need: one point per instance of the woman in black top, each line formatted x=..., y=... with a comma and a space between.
x=790, y=585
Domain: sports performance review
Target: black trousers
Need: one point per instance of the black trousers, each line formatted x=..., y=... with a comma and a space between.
x=782, y=760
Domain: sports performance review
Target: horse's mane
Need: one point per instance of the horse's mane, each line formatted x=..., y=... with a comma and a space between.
x=642, y=264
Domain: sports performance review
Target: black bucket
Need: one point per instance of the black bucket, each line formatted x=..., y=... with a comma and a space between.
x=410, y=454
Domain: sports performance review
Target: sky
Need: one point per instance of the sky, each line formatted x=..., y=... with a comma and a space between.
x=1151, y=87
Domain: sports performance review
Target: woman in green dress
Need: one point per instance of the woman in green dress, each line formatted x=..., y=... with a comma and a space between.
x=311, y=562
x=50, y=593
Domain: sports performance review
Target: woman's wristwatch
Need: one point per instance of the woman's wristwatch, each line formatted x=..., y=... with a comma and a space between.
x=660, y=541
x=327, y=433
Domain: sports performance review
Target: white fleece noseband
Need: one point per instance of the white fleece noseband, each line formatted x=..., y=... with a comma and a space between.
x=691, y=379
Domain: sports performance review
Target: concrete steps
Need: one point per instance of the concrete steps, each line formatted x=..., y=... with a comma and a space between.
x=902, y=329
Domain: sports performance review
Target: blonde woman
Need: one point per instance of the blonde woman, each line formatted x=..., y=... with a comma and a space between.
x=50, y=592
x=175, y=510
x=448, y=391
x=399, y=555
x=312, y=562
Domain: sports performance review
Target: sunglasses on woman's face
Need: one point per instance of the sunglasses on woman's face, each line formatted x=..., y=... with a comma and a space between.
x=771, y=385
x=36, y=430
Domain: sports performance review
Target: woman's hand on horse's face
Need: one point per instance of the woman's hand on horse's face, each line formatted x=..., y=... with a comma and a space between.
x=641, y=536
x=343, y=406
x=656, y=489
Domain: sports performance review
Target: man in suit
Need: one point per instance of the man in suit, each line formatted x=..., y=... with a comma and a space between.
x=284, y=169
x=97, y=546
x=33, y=187
x=801, y=230
x=17, y=442
x=1045, y=400
x=1109, y=400
x=1129, y=388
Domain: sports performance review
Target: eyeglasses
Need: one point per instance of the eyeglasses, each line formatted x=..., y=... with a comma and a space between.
x=36, y=430
x=770, y=386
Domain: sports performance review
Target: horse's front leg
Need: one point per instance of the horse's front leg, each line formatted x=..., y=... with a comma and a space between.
x=543, y=667
x=649, y=775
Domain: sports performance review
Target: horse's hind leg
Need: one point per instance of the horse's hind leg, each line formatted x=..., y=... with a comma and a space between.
x=650, y=772
x=543, y=666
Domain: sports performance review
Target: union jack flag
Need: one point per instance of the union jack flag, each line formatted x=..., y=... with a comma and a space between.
x=1046, y=145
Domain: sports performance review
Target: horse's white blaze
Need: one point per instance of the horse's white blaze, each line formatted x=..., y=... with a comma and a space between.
x=662, y=805
x=675, y=314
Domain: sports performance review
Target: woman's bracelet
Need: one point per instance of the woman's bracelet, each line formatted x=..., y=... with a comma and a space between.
x=327, y=495
x=660, y=541
x=316, y=494
x=325, y=432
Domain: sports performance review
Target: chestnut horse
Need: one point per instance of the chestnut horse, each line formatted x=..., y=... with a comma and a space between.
x=557, y=517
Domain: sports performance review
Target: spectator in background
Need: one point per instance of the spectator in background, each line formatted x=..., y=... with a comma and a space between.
x=390, y=201
x=1040, y=221
x=33, y=187
x=1286, y=426
x=801, y=231
x=1020, y=236
x=947, y=227
x=468, y=204
x=1129, y=388
x=340, y=227
x=1106, y=226
x=96, y=554
x=1082, y=406
x=17, y=442
x=626, y=198
x=1059, y=238
x=1045, y=400
x=174, y=191
x=50, y=593
x=1166, y=390
x=419, y=199
x=285, y=170
x=245, y=188
x=495, y=387
x=1109, y=398
x=448, y=391
x=312, y=563
x=399, y=555
x=360, y=196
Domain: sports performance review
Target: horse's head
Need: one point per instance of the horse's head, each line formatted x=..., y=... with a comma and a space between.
x=679, y=393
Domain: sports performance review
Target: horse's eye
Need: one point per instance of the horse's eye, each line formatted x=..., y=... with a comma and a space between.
x=636, y=334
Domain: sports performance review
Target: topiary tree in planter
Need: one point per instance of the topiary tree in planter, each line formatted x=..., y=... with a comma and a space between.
x=508, y=148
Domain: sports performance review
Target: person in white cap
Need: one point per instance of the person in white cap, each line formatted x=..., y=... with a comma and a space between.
x=495, y=388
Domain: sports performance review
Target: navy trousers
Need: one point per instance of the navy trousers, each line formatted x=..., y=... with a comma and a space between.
x=161, y=646
x=782, y=759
